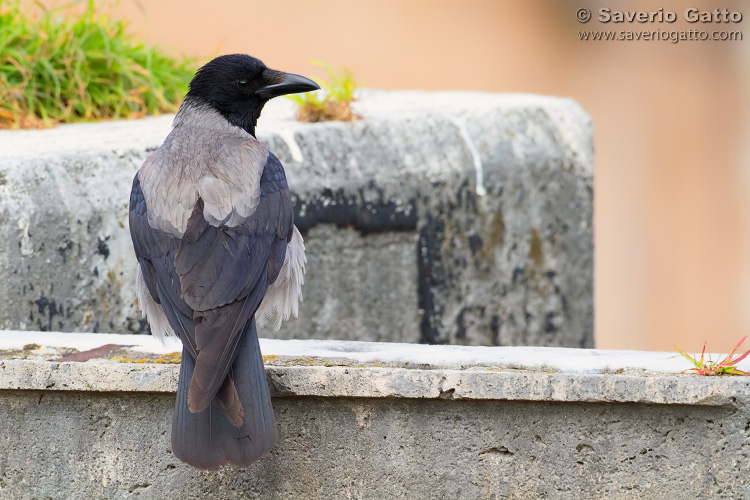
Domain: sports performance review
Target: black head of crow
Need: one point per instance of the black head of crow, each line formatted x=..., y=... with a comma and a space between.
x=212, y=227
x=237, y=86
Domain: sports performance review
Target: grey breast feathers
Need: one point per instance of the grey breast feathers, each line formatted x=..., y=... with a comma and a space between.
x=222, y=169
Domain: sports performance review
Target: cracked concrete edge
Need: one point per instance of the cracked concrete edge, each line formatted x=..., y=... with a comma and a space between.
x=376, y=382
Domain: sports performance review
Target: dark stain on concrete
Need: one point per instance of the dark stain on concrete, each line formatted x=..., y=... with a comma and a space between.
x=535, y=248
x=475, y=243
x=48, y=307
x=63, y=250
x=429, y=276
x=102, y=248
x=351, y=210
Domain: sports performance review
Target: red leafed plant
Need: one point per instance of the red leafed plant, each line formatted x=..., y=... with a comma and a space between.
x=727, y=366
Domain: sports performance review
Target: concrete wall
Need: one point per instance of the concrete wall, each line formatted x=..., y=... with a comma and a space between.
x=404, y=429
x=440, y=217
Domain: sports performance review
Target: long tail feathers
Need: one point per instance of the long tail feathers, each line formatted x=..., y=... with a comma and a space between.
x=208, y=440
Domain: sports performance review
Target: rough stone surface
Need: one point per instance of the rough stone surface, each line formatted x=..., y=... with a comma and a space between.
x=82, y=445
x=100, y=429
x=334, y=378
x=348, y=289
x=455, y=218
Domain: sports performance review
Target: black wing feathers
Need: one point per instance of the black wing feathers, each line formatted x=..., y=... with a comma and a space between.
x=219, y=265
x=210, y=283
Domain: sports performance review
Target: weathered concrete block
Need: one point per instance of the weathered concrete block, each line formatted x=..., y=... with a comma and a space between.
x=64, y=250
x=441, y=218
x=381, y=421
x=358, y=283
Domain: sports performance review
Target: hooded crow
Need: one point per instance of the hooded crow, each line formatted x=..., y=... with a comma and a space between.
x=212, y=226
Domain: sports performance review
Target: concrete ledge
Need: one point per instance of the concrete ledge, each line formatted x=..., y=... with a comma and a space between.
x=365, y=382
x=449, y=217
x=375, y=420
x=378, y=370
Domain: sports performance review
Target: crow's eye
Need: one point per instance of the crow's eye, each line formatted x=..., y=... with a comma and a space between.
x=243, y=84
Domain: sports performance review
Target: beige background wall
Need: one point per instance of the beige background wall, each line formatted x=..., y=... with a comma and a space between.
x=671, y=126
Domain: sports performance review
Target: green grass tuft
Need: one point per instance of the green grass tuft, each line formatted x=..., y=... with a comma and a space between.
x=333, y=102
x=75, y=63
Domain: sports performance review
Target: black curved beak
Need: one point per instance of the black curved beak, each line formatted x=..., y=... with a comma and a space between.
x=281, y=83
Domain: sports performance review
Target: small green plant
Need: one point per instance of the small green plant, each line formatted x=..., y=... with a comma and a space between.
x=727, y=366
x=333, y=102
x=74, y=63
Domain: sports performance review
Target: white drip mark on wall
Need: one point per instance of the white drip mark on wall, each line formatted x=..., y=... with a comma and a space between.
x=474, y=154
x=287, y=135
x=27, y=247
